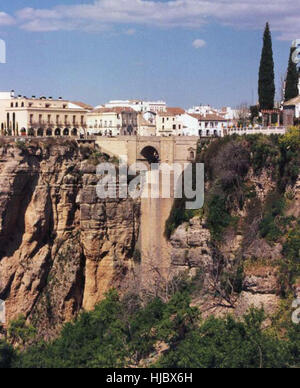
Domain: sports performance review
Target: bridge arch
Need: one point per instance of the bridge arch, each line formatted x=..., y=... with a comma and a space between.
x=150, y=154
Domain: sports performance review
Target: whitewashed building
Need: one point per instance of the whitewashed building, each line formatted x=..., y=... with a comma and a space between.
x=211, y=125
x=138, y=105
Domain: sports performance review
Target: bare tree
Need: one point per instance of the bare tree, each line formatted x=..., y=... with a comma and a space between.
x=243, y=113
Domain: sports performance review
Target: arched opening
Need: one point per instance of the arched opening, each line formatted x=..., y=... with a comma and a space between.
x=192, y=155
x=66, y=132
x=74, y=132
x=150, y=154
x=30, y=131
x=57, y=132
x=40, y=132
x=49, y=132
x=23, y=131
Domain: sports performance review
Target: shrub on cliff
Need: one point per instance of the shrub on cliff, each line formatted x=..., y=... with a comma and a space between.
x=228, y=343
x=117, y=335
x=290, y=264
x=7, y=355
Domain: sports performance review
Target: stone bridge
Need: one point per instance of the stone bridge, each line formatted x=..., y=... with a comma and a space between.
x=173, y=149
x=154, y=248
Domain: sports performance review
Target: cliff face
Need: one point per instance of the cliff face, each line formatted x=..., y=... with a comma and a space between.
x=254, y=261
x=61, y=248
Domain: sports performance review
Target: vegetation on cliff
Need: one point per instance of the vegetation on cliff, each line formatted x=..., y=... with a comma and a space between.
x=125, y=333
x=251, y=213
x=227, y=163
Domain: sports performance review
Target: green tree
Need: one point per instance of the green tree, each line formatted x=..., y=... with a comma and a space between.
x=6, y=355
x=228, y=343
x=20, y=333
x=266, y=83
x=291, y=88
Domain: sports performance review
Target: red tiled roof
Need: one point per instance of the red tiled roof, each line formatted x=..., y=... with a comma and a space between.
x=208, y=117
x=172, y=112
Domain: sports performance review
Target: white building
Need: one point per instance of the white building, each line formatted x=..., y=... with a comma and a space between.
x=229, y=113
x=201, y=109
x=138, y=105
x=190, y=125
x=211, y=125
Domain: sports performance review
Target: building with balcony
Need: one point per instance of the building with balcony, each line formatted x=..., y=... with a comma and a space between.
x=113, y=121
x=22, y=116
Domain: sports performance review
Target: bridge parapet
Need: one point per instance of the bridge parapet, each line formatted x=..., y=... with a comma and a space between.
x=173, y=149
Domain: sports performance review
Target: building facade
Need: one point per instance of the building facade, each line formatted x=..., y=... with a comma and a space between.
x=22, y=116
x=138, y=105
x=211, y=125
x=169, y=123
x=113, y=121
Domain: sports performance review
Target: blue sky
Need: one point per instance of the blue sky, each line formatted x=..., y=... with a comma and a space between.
x=184, y=51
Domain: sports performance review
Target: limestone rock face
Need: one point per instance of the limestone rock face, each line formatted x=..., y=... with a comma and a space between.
x=61, y=248
x=190, y=246
x=192, y=250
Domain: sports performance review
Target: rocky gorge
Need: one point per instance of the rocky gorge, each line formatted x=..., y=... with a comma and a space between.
x=62, y=248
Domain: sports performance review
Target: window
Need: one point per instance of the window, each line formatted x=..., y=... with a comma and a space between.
x=22, y=105
x=31, y=119
x=57, y=119
x=12, y=105
x=74, y=119
x=82, y=120
x=48, y=105
x=174, y=126
x=66, y=119
x=64, y=106
x=17, y=105
x=40, y=119
x=49, y=119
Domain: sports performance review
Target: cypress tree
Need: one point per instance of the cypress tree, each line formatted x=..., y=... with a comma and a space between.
x=291, y=87
x=266, y=83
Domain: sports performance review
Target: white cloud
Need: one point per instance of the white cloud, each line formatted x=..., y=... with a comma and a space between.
x=199, y=43
x=284, y=15
x=5, y=19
